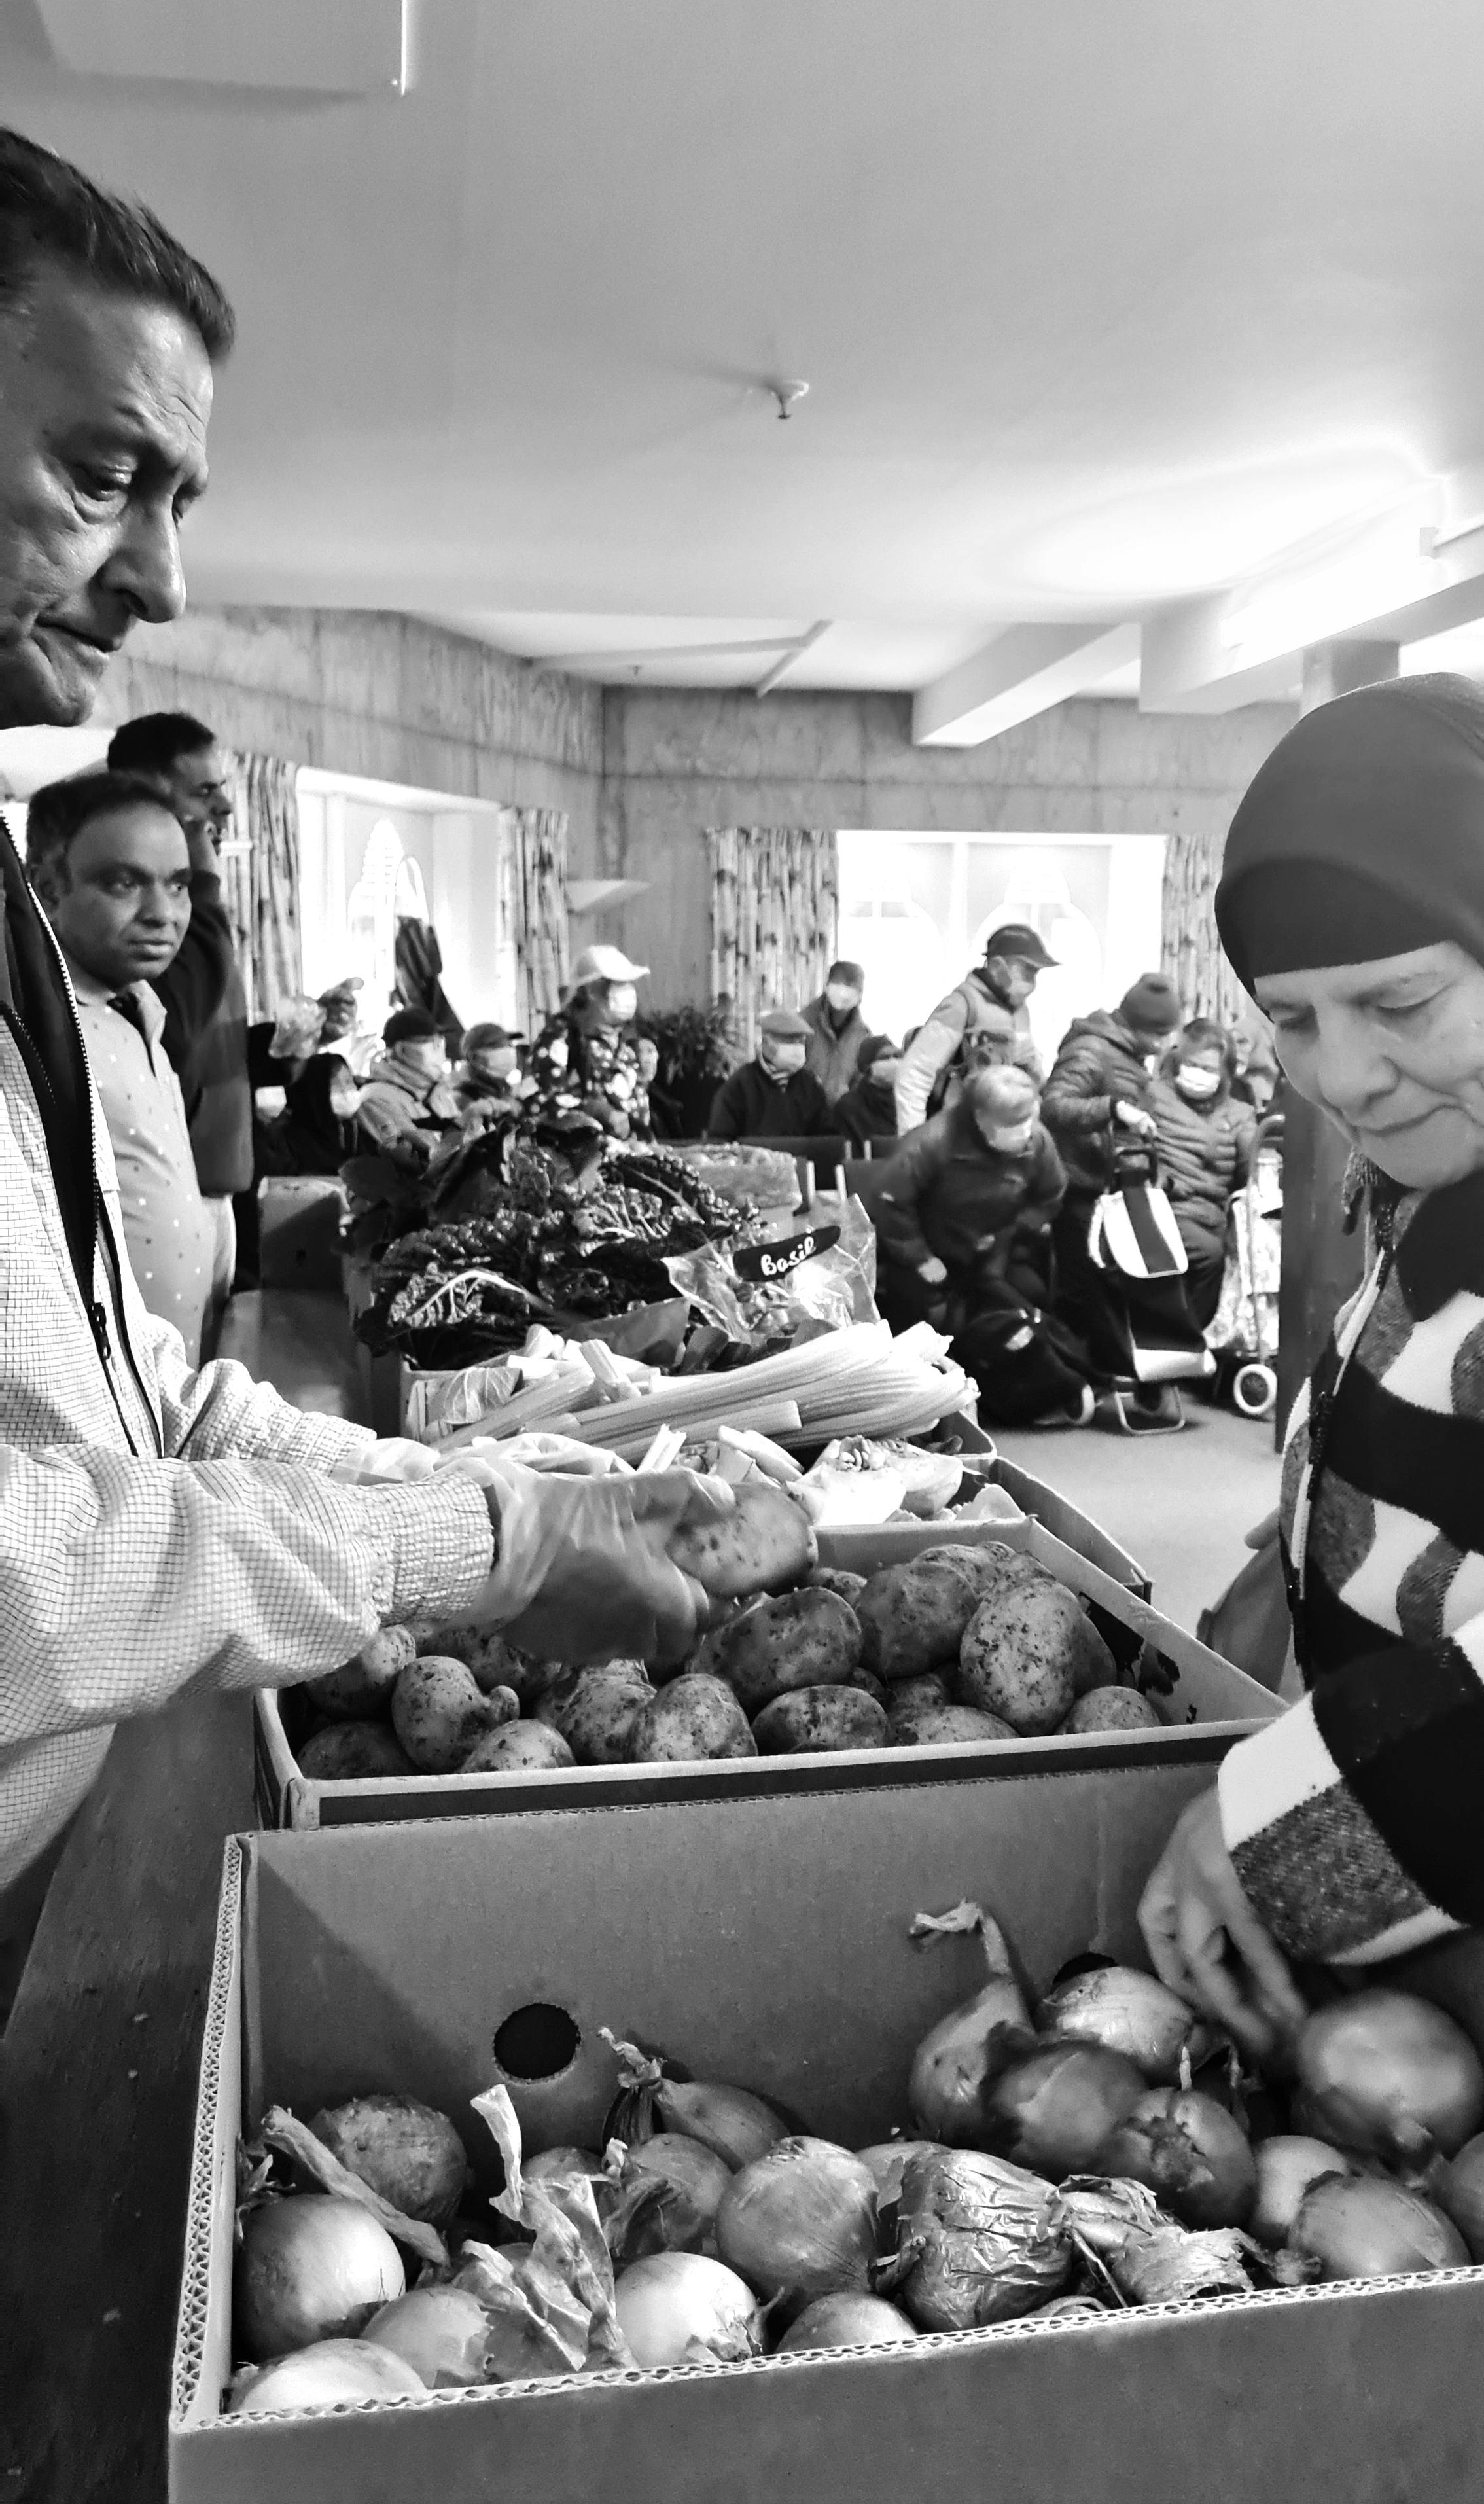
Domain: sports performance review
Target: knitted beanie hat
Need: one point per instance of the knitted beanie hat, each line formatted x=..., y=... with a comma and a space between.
x=1363, y=835
x=1152, y=1006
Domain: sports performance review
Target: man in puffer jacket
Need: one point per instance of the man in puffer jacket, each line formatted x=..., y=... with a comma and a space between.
x=1097, y=1094
x=1205, y=1154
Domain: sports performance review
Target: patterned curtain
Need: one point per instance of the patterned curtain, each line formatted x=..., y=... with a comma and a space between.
x=261, y=878
x=775, y=918
x=1191, y=951
x=534, y=901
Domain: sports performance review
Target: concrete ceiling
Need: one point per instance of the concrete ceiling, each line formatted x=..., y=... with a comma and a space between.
x=1101, y=307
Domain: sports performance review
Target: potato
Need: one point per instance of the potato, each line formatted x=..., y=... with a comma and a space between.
x=869, y=1685
x=1020, y=1655
x=944, y=1726
x=766, y=1543
x=693, y=1717
x=805, y=1638
x=439, y=1713
x=364, y=1684
x=595, y=1710
x=811, y=1719
x=913, y=1618
x=916, y=1695
x=833, y=1578
x=351, y=1751
x=1112, y=1708
x=988, y=1564
x=520, y=1748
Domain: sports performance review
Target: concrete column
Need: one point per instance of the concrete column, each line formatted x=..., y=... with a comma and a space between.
x=1321, y=1264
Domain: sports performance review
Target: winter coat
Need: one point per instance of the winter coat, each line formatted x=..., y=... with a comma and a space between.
x=833, y=1052
x=399, y=1106
x=1100, y=1063
x=867, y=1111
x=578, y=1068
x=949, y=1196
x=752, y=1105
x=935, y=1048
x=1205, y=1156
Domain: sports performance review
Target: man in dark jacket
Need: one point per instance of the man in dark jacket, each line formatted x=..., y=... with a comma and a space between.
x=941, y=1053
x=968, y=1190
x=836, y=1028
x=1205, y=1154
x=1098, y=1095
x=773, y=1097
x=868, y=1109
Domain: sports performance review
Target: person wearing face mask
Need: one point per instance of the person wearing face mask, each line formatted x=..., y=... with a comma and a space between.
x=773, y=1097
x=407, y=1105
x=1206, y=1140
x=316, y=1131
x=868, y=1109
x=836, y=1028
x=967, y=1192
x=1348, y=1833
x=488, y=1082
x=941, y=1054
x=585, y=1060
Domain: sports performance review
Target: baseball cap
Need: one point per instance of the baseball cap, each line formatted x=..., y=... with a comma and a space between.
x=489, y=1038
x=1017, y=939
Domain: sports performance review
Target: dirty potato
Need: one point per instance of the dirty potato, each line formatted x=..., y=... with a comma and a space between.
x=845, y=1586
x=913, y=1617
x=694, y=1717
x=351, y=1751
x=869, y=1685
x=363, y=1685
x=812, y=1719
x=439, y=1713
x=807, y=1638
x=916, y=1695
x=1019, y=1656
x=520, y=1748
x=765, y=1544
x=596, y=1713
x=1112, y=1708
x=944, y=1726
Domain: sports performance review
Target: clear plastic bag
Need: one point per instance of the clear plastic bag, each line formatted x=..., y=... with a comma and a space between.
x=795, y=1291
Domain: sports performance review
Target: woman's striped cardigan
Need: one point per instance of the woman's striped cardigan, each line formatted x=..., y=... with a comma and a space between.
x=1356, y=1821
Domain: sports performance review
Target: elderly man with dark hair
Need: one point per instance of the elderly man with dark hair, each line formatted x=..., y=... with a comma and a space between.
x=160, y=1526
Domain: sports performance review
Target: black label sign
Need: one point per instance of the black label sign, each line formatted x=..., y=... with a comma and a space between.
x=760, y=1262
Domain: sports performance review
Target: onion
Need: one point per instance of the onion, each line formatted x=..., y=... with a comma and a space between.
x=1168, y=2266
x=405, y=2151
x=959, y=2057
x=734, y=2125
x=1071, y=2308
x=666, y=2200
x=846, y=2321
x=564, y=2164
x=800, y=2221
x=1055, y=2109
x=308, y=2268
x=1186, y=2149
x=977, y=2241
x=885, y=2163
x=1458, y=2187
x=442, y=2332
x=1125, y=2011
x=1390, y=2075
x=1287, y=2167
x=1364, y=2227
x=326, y=2377
x=681, y=2309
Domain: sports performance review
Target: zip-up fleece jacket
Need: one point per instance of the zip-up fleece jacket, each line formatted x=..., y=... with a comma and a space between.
x=158, y=1524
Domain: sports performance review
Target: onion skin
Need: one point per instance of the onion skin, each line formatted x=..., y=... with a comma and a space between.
x=1053, y=2111
x=1190, y=2152
x=1390, y=2075
x=442, y=2333
x=959, y=2059
x=1287, y=2167
x=1458, y=2187
x=979, y=2241
x=666, y=2201
x=734, y=2125
x=886, y=2162
x=325, y=2376
x=801, y=2222
x=1125, y=2011
x=308, y=2268
x=1367, y=2227
x=846, y=2321
x=682, y=2308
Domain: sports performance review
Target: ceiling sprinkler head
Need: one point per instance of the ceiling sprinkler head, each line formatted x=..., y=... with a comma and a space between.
x=785, y=394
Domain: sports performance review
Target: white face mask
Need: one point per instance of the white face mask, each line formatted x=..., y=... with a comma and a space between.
x=1198, y=1083
x=1011, y=1143
x=622, y=1003
x=841, y=997
x=783, y=1058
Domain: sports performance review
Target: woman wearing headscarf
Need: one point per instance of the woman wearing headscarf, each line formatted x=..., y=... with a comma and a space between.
x=1349, y=1830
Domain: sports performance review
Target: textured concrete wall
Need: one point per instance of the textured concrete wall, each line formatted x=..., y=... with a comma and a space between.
x=677, y=761
x=362, y=692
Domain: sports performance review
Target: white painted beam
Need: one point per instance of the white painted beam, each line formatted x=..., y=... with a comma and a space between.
x=1023, y=672
x=335, y=47
x=775, y=677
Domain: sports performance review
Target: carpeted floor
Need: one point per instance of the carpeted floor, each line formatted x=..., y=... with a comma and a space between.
x=1179, y=1503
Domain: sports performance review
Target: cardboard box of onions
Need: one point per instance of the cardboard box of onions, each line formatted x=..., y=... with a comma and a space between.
x=699, y=2265
x=879, y=1656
